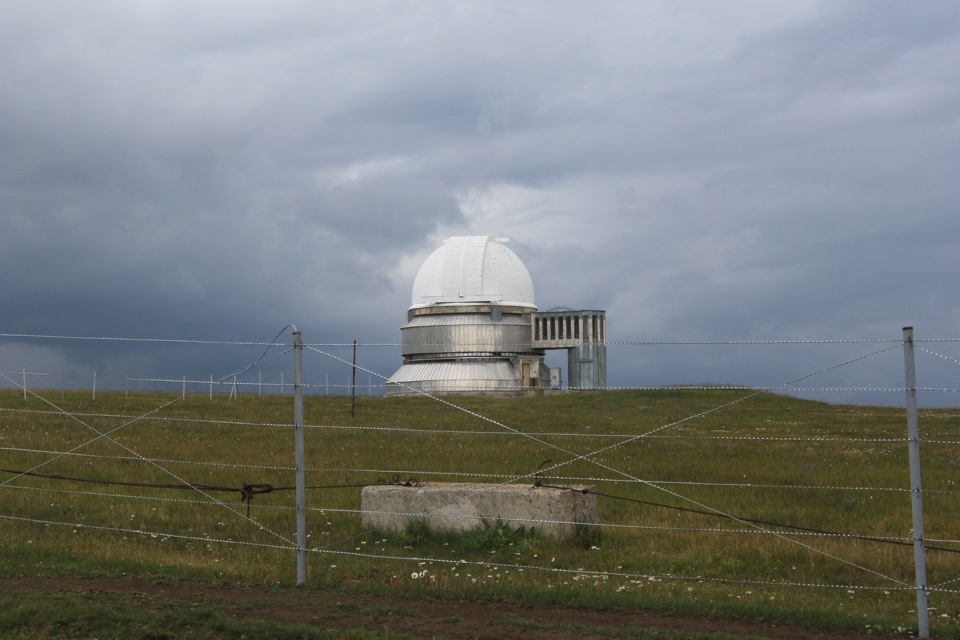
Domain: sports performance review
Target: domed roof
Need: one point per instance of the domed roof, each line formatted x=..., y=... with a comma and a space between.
x=473, y=270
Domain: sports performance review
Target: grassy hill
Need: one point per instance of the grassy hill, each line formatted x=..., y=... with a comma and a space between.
x=719, y=502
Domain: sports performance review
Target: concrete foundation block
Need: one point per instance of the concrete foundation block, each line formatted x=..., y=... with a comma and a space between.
x=457, y=507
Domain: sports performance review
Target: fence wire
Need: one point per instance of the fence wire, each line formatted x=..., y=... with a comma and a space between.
x=618, y=476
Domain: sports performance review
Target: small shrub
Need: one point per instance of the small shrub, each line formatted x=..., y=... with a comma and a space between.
x=489, y=537
x=415, y=533
x=586, y=536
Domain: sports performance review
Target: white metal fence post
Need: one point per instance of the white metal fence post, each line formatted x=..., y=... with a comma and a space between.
x=299, y=463
x=913, y=437
x=353, y=382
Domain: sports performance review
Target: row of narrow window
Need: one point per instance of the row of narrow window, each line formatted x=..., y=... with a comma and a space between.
x=568, y=327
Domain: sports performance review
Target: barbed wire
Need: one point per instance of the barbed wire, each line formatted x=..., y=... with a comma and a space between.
x=127, y=496
x=742, y=519
x=606, y=525
x=713, y=410
x=225, y=382
x=152, y=534
x=430, y=473
x=107, y=435
x=589, y=456
x=940, y=355
x=585, y=456
x=486, y=564
x=40, y=336
x=828, y=341
x=469, y=432
x=381, y=387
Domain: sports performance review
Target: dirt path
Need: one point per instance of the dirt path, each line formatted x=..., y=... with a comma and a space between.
x=456, y=620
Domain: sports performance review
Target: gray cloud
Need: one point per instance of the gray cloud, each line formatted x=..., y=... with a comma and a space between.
x=745, y=170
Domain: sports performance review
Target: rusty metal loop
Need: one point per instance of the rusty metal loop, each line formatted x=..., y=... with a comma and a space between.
x=395, y=481
x=247, y=491
x=538, y=475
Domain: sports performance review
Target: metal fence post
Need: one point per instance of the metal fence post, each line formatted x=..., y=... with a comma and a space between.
x=353, y=382
x=913, y=437
x=299, y=464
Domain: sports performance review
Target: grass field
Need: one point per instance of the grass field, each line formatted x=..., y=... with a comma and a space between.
x=839, y=472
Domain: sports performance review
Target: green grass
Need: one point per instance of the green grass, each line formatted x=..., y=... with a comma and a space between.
x=772, y=443
x=491, y=536
x=107, y=616
x=46, y=615
x=616, y=633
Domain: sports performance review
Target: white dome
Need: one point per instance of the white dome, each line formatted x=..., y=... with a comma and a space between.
x=473, y=270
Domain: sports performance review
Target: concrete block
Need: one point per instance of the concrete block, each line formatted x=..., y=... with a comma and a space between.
x=458, y=507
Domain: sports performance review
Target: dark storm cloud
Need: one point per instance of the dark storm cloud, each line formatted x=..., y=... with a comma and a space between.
x=743, y=170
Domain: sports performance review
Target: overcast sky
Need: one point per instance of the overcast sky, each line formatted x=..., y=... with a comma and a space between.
x=737, y=170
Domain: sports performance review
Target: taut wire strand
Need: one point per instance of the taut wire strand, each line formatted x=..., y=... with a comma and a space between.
x=106, y=435
x=589, y=457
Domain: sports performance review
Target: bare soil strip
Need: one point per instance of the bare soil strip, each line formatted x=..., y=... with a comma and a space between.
x=453, y=619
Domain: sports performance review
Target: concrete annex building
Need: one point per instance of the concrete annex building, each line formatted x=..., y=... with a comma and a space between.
x=473, y=326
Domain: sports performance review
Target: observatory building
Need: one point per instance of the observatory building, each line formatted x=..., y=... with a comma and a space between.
x=473, y=327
